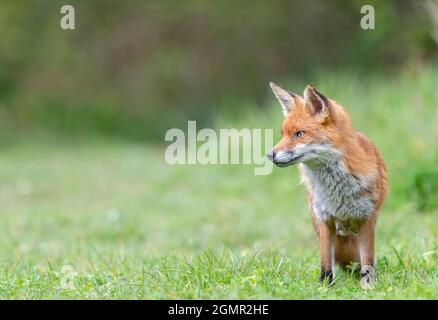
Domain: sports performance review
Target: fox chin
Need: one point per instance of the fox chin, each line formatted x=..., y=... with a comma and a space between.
x=343, y=173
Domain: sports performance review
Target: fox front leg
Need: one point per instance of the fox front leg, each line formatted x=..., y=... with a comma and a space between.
x=327, y=237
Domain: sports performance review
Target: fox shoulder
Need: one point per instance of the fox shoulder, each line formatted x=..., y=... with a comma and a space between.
x=370, y=148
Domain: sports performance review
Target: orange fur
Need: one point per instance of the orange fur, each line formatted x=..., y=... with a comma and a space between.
x=324, y=120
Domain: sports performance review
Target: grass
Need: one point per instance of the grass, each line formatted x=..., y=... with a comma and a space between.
x=111, y=220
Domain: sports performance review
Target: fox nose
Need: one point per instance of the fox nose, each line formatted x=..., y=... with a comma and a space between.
x=271, y=154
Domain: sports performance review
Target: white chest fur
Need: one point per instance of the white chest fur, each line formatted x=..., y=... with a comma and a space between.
x=336, y=193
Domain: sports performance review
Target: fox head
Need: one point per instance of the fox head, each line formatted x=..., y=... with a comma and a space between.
x=310, y=130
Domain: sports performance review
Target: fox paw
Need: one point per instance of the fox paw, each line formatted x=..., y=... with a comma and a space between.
x=326, y=276
x=367, y=277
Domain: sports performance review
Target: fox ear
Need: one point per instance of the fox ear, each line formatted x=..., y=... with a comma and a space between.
x=286, y=99
x=315, y=102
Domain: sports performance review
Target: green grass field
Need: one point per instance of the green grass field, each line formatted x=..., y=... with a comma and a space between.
x=112, y=220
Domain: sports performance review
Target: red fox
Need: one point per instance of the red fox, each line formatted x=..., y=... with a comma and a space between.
x=343, y=173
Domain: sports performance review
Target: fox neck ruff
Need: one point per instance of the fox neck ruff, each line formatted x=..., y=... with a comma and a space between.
x=337, y=193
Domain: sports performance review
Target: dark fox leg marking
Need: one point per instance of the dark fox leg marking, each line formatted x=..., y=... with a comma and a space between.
x=326, y=276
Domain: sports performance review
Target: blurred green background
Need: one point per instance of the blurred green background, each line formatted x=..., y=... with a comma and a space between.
x=83, y=114
x=132, y=69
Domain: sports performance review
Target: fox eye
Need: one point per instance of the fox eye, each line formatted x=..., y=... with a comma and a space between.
x=298, y=134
